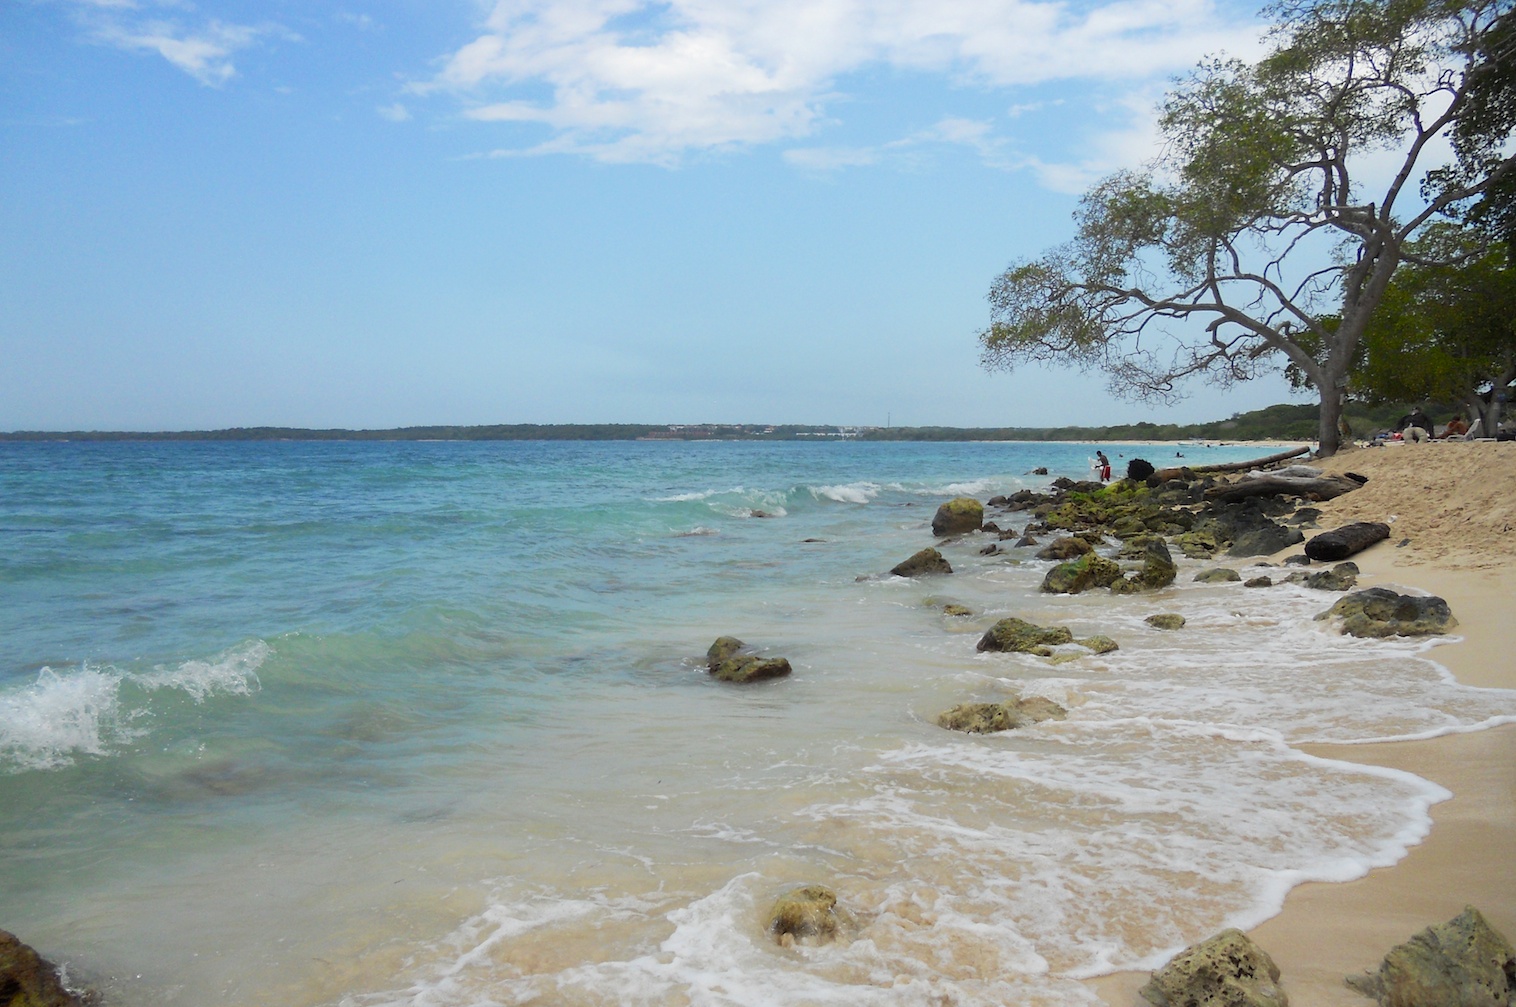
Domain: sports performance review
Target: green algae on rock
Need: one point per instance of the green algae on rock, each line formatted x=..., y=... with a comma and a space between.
x=959, y=515
x=1378, y=612
x=1019, y=636
x=926, y=563
x=1166, y=620
x=1089, y=570
x=29, y=980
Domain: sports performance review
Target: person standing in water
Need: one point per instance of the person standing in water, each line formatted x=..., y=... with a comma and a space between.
x=1105, y=466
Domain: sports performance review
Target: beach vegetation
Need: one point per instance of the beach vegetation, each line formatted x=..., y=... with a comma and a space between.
x=1262, y=217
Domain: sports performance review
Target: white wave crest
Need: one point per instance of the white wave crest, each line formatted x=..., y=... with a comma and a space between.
x=853, y=493
x=92, y=710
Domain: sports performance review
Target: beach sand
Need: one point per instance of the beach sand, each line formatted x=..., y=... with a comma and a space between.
x=1452, y=513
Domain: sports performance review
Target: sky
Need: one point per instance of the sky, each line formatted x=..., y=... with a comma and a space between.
x=403, y=212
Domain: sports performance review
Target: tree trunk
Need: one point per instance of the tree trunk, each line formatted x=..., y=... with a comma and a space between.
x=1327, y=435
x=1340, y=543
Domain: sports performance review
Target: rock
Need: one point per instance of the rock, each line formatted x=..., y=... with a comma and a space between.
x=957, y=611
x=989, y=550
x=1158, y=568
x=1263, y=580
x=1350, y=539
x=991, y=718
x=1039, y=471
x=1299, y=559
x=1165, y=620
x=925, y=563
x=1464, y=962
x=957, y=516
x=1217, y=575
x=1099, y=644
x=808, y=915
x=990, y=528
x=1068, y=547
x=1026, y=541
x=1342, y=577
x=1089, y=570
x=29, y=980
x=1227, y=970
x=1138, y=469
x=1379, y=612
x=1019, y=636
x=1305, y=515
x=1197, y=544
x=1265, y=540
x=746, y=668
x=724, y=648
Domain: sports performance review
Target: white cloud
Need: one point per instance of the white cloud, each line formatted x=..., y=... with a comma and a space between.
x=395, y=113
x=203, y=51
x=636, y=80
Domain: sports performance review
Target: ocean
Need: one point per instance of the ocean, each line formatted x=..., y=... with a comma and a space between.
x=373, y=724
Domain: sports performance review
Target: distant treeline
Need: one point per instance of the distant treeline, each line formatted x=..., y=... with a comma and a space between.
x=1281, y=422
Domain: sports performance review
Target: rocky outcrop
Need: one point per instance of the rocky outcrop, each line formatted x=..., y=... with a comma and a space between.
x=1227, y=970
x=1166, y=620
x=1019, y=636
x=926, y=563
x=726, y=662
x=29, y=980
x=808, y=916
x=1464, y=962
x=959, y=515
x=990, y=718
x=1089, y=570
x=1379, y=612
x=1342, y=577
x=1217, y=575
x=1068, y=547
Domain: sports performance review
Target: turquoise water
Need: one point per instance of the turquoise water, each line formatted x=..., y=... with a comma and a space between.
x=425, y=723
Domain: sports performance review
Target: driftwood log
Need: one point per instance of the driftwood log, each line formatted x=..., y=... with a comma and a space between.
x=1185, y=471
x=1316, y=488
x=1340, y=543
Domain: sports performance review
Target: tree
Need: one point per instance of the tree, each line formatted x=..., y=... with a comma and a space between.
x=1446, y=332
x=1255, y=223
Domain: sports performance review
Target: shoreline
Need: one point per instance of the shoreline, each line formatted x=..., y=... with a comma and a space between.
x=1327, y=931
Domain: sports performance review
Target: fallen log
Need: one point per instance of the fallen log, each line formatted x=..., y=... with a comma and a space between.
x=1324, y=488
x=1340, y=543
x=1189, y=471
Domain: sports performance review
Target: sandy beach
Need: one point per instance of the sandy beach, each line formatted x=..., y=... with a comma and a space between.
x=1452, y=510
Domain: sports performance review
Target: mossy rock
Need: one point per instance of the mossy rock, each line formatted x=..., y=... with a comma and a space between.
x=957, y=611
x=1068, y=547
x=959, y=515
x=808, y=916
x=1378, y=612
x=1464, y=962
x=1166, y=620
x=1263, y=580
x=1228, y=970
x=1089, y=570
x=926, y=563
x=29, y=980
x=1197, y=544
x=725, y=648
x=1099, y=644
x=746, y=668
x=1019, y=636
x=1217, y=575
x=992, y=718
x=1342, y=577
x=1158, y=568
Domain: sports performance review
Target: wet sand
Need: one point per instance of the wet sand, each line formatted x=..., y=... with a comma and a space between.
x=1456, y=504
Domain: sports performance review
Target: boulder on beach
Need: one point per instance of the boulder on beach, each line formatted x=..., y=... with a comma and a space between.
x=29, y=980
x=1342, y=577
x=991, y=718
x=1019, y=636
x=1227, y=970
x=808, y=916
x=926, y=563
x=1464, y=962
x=959, y=515
x=1166, y=620
x=1068, y=547
x=1089, y=570
x=1378, y=612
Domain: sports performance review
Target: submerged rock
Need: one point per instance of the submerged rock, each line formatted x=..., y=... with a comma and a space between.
x=959, y=515
x=724, y=648
x=1020, y=636
x=1099, y=644
x=1262, y=580
x=957, y=611
x=1166, y=620
x=1227, y=970
x=991, y=718
x=746, y=668
x=1379, y=612
x=927, y=562
x=1089, y=570
x=1464, y=962
x=1217, y=575
x=29, y=980
x=808, y=915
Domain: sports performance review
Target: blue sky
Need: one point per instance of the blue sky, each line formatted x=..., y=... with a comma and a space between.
x=378, y=214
